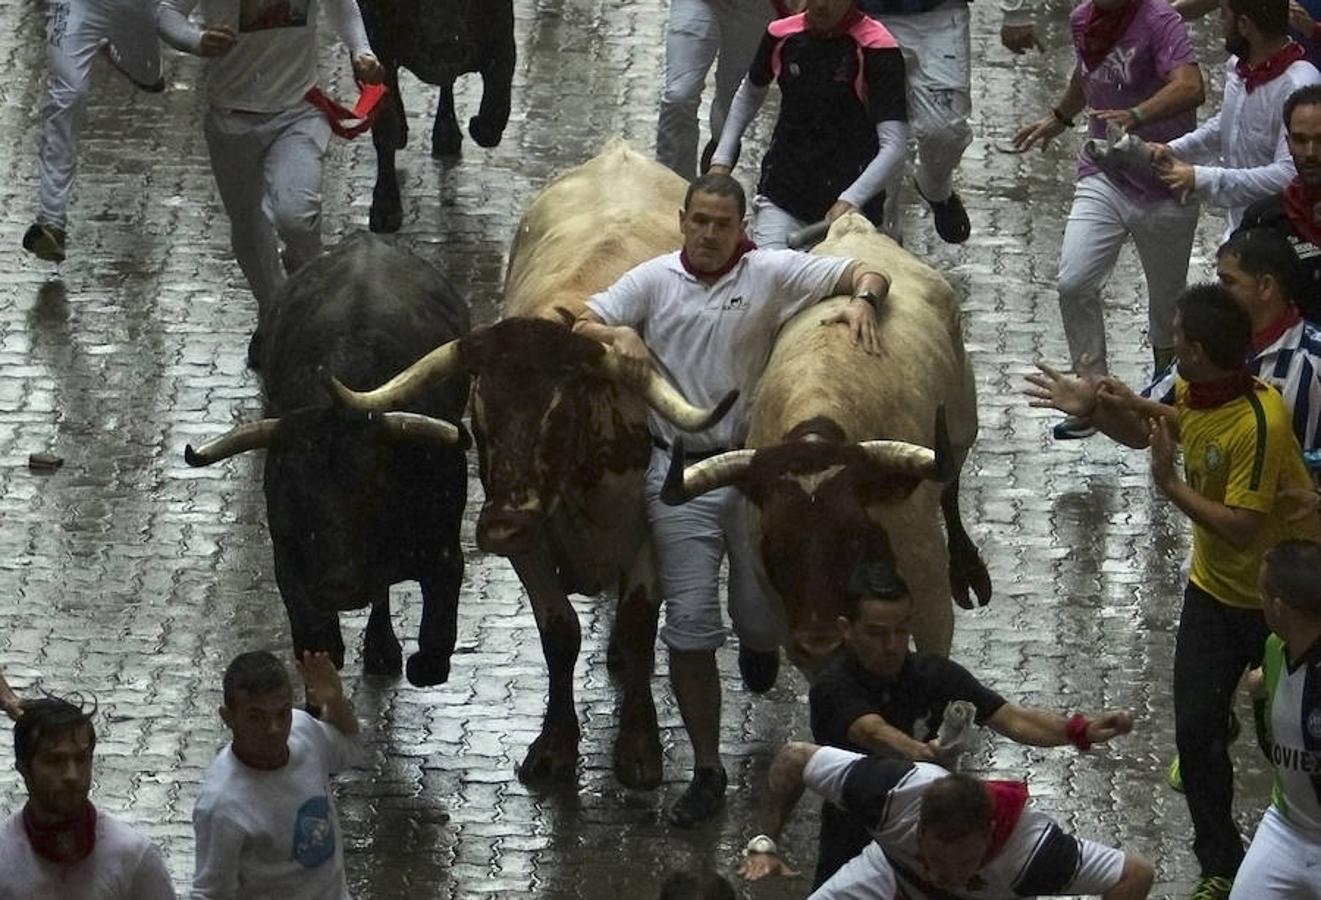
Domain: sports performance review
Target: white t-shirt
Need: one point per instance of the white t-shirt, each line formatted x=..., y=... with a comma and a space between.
x=711, y=338
x=124, y=865
x=274, y=834
x=274, y=61
x=1038, y=859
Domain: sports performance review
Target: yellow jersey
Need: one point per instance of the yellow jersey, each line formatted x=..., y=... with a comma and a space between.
x=1241, y=454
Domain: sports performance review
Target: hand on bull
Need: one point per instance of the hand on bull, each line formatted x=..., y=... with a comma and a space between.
x=1018, y=39
x=633, y=355
x=1052, y=389
x=367, y=69
x=839, y=208
x=756, y=866
x=861, y=319
x=1042, y=131
x=217, y=40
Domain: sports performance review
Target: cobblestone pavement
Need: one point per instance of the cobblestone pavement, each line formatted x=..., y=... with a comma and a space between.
x=130, y=576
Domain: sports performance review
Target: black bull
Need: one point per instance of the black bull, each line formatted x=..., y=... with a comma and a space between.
x=357, y=502
x=437, y=42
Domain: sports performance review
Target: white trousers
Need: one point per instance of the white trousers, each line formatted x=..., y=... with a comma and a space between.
x=700, y=32
x=1103, y=217
x=268, y=169
x=691, y=540
x=1283, y=863
x=76, y=30
x=937, y=63
x=771, y=226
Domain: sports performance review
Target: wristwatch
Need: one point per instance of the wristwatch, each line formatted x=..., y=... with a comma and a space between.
x=760, y=844
x=871, y=298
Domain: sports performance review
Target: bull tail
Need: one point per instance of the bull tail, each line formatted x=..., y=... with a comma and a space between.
x=967, y=571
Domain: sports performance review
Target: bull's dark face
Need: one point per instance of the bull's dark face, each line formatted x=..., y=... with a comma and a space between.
x=327, y=490
x=815, y=530
x=533, y=418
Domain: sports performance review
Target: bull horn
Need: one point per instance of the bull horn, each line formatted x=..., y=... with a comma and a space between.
x=902, y=458
x=687, y=483
x=416, y=425
x=248, y=436
x=438, y=364
x=666, y=400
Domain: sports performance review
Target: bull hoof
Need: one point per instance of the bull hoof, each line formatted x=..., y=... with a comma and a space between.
x=385, y=221
x=484, y=135
x=638, y=746
x=553, y=756
x=383, y=658
x=428, y=669
x=446, y=145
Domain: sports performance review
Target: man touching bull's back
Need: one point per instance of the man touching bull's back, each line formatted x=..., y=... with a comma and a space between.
x=709, y=316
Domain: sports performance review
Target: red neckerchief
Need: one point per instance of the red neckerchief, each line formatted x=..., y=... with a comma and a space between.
x=745, y=246
x=1255, y=76
x=363, y=114
x=1300, y=203
x=1008, y=800
x=1271, y=333
x=1218, y=392
x=1103, y=29
x=64, y=842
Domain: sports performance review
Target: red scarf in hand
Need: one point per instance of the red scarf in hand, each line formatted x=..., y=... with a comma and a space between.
x=1263, y=73
x=1300, y=205
x=1271, y=333
x=1210, y=394
x=745, y=246
x=1103, y=29
x=65, y=842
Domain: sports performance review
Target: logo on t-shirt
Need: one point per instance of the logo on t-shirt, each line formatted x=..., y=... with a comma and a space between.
x=258, y=15
x=1214, y=456
x=314, y=833
x=1117, y=68
x=1314, y=724
x=734, y=303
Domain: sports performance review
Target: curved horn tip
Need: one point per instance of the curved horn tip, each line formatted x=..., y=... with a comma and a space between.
x=339, y=394
x=722, y=408
x=193, y=458
x=672, y=492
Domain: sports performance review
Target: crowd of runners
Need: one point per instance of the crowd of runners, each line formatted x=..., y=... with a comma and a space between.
x=1235, y=390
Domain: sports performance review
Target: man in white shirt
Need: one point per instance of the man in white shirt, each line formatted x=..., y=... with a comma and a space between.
x=938, y=835
x=266, y=140
x=76, y=31
x=1241, y=154
x=59, y=846
x=709, y=316
x=265, y=817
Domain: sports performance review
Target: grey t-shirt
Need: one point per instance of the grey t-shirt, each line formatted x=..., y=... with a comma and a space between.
x=711, y=338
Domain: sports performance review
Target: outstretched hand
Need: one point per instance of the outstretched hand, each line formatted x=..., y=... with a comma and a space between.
x=1051, y=389
x=1042, y=132
x=321, y=678
x=1109, y=724
x=756, y=866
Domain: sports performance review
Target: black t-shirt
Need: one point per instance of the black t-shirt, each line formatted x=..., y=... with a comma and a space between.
x=914, y=702
x=1268, y=212
x=826, y=134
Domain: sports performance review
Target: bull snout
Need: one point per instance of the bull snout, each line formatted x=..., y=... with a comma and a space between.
x=506, y=532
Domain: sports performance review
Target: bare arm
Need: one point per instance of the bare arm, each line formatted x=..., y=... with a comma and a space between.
x=877, y=735
x=1040, y=728
x=1233, y=525
x=1184, y=91
x=858, y=279
x=623, y=339
x=1135, y=882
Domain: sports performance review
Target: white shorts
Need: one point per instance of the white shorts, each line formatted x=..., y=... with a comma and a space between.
x=1283, y=863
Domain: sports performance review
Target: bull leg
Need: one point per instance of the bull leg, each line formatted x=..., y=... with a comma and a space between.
x=966, y=569
x=381, y=653
x=488, y=125
x=312, y=629
x=637, y=746
x=446, y=139
x=554, y=754
x=430, y=665
x=389, y=134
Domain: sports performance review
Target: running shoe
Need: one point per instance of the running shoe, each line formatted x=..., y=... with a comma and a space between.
x=1074, y=428
x=951, y=218
x=45, y=242
x=1212, y=887
x=702, y=798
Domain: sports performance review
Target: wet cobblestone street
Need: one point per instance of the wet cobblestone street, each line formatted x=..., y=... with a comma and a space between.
x=127, y=575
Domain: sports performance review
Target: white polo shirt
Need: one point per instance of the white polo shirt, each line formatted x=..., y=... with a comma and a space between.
x=1038, y=859
x=711, y=338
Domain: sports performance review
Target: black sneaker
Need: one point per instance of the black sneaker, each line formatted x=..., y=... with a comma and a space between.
x=1074, y=428
x=758, y=669
x=45, y=242
x=951, y=218
x=700, y=801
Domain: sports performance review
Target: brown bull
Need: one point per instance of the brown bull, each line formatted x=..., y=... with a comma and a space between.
x=564, y=445
x=839, y=469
